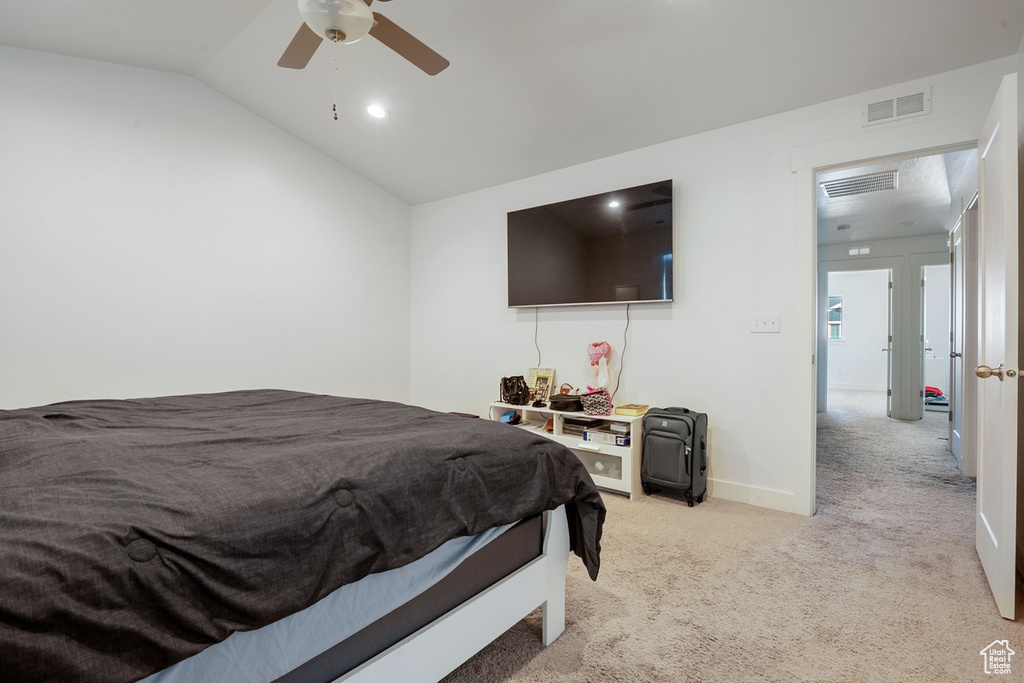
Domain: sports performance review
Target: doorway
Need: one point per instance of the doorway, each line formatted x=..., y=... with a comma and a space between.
x=997, y=420
x=859, y=350
x=894, y=214
x=937, y=325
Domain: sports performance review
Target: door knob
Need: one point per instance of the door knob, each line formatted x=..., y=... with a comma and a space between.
x=955, y=354
x=984, y=372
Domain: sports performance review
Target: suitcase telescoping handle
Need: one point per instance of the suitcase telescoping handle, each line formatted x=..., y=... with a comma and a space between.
x=703, y=455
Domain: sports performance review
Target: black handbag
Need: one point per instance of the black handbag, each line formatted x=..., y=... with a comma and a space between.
x=569, y=403
x=513, y=390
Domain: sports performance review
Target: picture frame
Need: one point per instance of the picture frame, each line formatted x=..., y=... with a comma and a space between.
x=532, y=378
x=542, y=387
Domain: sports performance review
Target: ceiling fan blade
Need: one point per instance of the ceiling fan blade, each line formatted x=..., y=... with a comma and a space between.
x=301, y=49
x=402, y=42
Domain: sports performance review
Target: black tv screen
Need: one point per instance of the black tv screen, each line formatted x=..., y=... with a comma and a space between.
x=613, y=247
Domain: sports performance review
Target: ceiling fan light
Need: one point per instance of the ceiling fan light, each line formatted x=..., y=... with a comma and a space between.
x=352, y=18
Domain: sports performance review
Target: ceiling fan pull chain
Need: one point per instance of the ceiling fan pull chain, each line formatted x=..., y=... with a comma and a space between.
x=334, y=106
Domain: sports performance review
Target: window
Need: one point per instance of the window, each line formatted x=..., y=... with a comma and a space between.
x=835, y=317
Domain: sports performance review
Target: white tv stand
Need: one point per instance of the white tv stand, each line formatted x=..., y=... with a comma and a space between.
x=615, y=468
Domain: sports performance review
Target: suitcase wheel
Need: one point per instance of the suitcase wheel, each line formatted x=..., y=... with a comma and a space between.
x=647, y=489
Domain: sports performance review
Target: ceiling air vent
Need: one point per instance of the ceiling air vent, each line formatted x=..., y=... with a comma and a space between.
x=844, y=187
x=894, y=108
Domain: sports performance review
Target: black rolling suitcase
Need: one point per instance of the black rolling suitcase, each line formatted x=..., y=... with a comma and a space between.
x=675, y=453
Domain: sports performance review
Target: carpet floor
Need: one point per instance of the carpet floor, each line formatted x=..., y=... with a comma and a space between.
x=882, y=584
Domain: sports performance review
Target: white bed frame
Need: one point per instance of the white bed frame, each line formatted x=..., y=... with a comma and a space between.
x=440, y=647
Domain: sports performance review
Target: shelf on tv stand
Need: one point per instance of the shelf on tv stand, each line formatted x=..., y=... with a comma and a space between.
x=615, y=468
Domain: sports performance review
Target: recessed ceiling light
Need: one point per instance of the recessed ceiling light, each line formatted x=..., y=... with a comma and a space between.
x=614, y=203
x=377, y=111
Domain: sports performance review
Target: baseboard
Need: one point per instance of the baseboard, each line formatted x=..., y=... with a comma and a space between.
x=752, y=495
x=856, y=387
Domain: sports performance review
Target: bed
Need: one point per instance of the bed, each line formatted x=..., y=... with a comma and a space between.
x=136, y=535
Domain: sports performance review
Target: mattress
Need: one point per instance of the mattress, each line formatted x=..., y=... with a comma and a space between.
x=266, y=654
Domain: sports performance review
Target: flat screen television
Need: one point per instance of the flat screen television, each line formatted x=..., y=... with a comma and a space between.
x=614, y=247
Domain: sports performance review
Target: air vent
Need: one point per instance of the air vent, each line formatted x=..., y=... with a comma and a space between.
x=894, y=108
x=910, y=104
x=844, y=187
x=880, y=111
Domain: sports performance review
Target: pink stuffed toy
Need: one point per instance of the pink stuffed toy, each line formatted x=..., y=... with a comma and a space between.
x=599, y=353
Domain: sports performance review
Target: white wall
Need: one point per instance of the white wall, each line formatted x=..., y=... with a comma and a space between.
x=856, y=361
x=156, y=238
x=744, y=244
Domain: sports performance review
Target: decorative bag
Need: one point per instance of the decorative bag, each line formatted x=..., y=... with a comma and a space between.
x=569, y=403
x=597, y=402
x=514, y=391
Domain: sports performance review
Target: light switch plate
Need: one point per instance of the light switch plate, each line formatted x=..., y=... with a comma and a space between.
x=764, y=322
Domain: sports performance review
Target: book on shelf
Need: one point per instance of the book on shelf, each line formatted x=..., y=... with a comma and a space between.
x=573, y=430
x=632, y=409
x=600, y=436
x=582, y=421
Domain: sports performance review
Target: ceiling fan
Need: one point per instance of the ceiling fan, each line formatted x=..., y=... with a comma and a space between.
x=346, y=21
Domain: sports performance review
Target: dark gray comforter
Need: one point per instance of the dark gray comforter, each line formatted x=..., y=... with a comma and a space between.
x=136, y=533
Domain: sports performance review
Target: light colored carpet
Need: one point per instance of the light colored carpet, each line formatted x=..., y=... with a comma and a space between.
x=882, y=584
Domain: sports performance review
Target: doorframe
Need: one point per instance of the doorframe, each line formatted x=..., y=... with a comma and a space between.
x=888, y=263
x=916, y=139
x=967, y=346
x=918, y=263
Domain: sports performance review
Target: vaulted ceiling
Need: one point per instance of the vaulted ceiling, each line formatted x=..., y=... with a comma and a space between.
x=533, y=86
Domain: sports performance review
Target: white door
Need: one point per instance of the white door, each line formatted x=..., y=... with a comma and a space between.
x=997, y=347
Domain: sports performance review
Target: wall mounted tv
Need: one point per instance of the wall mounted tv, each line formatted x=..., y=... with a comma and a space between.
x=614, y=247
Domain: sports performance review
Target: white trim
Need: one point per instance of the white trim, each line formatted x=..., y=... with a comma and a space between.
x=753, y=495
x=858, y=387
x=805, y=444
